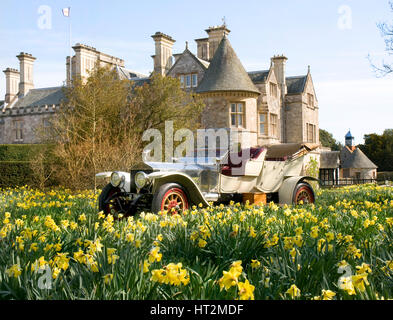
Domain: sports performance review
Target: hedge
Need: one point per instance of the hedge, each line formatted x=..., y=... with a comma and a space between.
x=15, y=166
x=19, y=152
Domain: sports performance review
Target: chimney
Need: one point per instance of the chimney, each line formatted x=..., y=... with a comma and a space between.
x=215, y=36
x=163, y=56
x=26, y=73
x=12, y=77
x=279, y=70
x=83, y=62
x=203, y=49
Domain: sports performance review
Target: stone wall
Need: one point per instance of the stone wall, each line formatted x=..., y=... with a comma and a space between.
x=294, y=118
x=217, y=113
x=31, y=122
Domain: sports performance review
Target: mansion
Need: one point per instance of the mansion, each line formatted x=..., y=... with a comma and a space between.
x=267, y=104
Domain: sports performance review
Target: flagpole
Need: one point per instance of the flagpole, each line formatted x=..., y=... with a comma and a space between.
x=69, y=16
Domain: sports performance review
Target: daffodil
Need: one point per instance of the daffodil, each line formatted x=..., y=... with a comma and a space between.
x=293, y=291
x=14, y=271
x=246, y=290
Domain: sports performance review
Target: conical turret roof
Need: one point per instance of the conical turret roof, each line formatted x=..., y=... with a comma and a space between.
x=226, y=73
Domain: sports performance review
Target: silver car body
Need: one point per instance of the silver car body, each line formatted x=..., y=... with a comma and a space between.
x=204, y=181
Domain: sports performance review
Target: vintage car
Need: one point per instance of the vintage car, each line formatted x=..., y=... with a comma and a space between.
x=264, y=174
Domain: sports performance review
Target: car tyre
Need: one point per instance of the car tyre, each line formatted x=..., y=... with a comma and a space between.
x=171, y=196
x=108, y=207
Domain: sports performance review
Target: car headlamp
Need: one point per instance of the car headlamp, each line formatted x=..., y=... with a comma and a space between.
x=141, y=179
x=116, y=179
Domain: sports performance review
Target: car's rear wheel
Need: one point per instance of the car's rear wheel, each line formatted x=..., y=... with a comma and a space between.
x=110, y=201
x=171, y=197
x=303, y=194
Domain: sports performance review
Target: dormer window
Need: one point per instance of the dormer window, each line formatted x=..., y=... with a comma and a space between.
x=188, y=80
x=194, y=80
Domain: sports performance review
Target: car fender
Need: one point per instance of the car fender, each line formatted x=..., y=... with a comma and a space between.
x=195, y=194
x=285, y=193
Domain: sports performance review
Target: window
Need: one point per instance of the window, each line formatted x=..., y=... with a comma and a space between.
x=194, y=80
x=46, y=126
x=237, y=114
x=311, y=133
x=262, y=124
x=326, y=175
x=273, y=89
x=18, y=130
x=273, y=125
x=188, y=80
x=310, y=100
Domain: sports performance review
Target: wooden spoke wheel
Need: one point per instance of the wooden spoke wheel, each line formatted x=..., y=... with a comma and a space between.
x=171, y=197
x=304, y=193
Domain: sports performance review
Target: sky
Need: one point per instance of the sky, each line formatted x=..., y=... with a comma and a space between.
x=334, y=37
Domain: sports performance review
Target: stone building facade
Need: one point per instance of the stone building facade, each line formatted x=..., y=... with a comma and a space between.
x=266, y=104
x=270, y=106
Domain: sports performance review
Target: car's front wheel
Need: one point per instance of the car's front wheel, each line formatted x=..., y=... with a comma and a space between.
x=111, y=202
x=170, y=197
x=303, y=194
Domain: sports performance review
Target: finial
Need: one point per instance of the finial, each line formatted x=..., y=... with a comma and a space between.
x=309, y=69
x=186, y=45
x=224, y=23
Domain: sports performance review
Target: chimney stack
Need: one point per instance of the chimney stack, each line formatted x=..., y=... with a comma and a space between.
x=163, y=56
x=215, y=36
x=203, y=48
x=26, y=83
x=12, y=77
x=279, y=70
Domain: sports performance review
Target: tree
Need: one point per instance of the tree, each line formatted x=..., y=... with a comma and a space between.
x=161, y=100
x=327, y=140
x=93, y=130
x=386, y=31
x=100, y=126
x=379, y=149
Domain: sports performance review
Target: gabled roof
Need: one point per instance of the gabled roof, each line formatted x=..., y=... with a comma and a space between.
x=204, y=64
x=296, y=85
x=226, y=73
x=259, y=76
x=41, y=97
x=330, y=160
x=355, y=159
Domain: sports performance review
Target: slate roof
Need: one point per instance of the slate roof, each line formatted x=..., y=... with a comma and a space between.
x=355, y=159
x=125, y=74
x=41, y=97
x=330, y=160
x=259, y=76
x=296, y=84
x=226, y=73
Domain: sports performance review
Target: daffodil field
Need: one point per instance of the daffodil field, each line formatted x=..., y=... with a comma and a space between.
x=56, y=245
